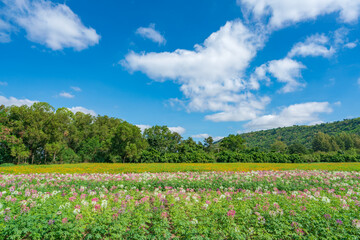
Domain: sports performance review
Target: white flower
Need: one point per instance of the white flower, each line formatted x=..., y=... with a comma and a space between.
x=194, y=221
x=76, y=211
x=103, y=203
x=325, y=199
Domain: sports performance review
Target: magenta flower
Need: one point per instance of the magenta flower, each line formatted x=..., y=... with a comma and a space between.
x=231, y=213
x=164, y=215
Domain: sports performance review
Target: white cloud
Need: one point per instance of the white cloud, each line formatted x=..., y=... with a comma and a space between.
x=151, y=33
x=286, y=12
x=178, y=129
x=351, y=45
x=76, y=89
x=11, y=101
x=211, y=75
x=358, y=81
x=248, y=108
x=201, y=135
x=285, y=70
x=205, y=135
x=51, y=24
x=143, y=127
x=314, y=45
x=217, y=138
x=66, y=95
x=5, y=29
x=303, y=113
x=3, y=83
x=83, y=110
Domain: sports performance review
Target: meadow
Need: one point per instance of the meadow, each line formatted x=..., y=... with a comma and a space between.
x=287, y=204
x=174, y=167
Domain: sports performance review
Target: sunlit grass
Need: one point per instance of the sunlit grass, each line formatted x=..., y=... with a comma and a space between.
x=174, y=167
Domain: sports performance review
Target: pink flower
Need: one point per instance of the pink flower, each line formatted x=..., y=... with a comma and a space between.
x=95, y=200
x=83, y=196
x=231, y=213
x=300, y=231
x=64, y=220
x=97, y=207
x=164, y=215
x=71, y=199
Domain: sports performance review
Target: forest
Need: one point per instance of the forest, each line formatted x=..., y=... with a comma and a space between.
x=299, y=134
x=41, y=134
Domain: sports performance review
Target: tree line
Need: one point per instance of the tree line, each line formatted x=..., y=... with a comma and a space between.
x=41, y=134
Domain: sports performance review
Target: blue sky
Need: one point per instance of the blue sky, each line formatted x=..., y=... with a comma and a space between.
x=202, y=67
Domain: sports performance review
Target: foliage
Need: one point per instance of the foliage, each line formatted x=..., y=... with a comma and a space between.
x=302, y=134
x=39, y=134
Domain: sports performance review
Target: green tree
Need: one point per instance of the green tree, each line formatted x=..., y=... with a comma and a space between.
x=127, y=143
x=233, y=143
x=162, y=139
x=209, y=144
x=297, y=148
x=279, y=146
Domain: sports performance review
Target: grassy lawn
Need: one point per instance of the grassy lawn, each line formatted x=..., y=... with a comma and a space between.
x=174, y=167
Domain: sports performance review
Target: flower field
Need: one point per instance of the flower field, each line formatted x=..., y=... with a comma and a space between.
x=174, y=167
x=183, y=205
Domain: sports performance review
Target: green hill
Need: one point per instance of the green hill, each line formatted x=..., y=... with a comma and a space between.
x=302, y=134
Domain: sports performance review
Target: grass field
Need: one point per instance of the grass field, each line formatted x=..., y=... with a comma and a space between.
x=174, y=167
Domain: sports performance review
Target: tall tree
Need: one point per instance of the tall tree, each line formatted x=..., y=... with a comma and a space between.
x=127, y=142
x=233, y=143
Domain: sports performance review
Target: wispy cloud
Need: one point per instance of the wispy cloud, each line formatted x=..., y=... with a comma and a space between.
x=3, y=83
x=151, y=33
x=76, y=89
x=66, y=95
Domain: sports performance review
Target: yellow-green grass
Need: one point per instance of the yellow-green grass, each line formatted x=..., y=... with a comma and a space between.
x=174, y=167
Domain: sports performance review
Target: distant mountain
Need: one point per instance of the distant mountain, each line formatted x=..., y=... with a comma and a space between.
x=303, y=134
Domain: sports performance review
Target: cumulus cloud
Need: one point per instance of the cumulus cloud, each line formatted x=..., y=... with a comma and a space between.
x=285, y=70
x=11, y=101
x=76, y=89
x=201, y=135
x=303, y=113
x=315, y=45
x=212, y=75
x=285, y=12
x=143, y=127
x=151, y=33
x=83, y=110
x=51, y=24
x=178, y=129
x=66, y=95
x=248, y=107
